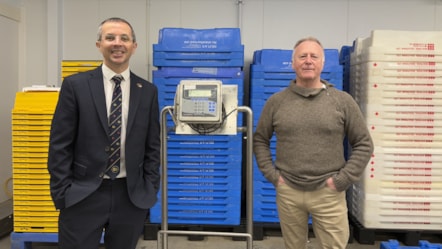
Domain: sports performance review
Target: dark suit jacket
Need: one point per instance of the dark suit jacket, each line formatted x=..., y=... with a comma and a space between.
x=79, y=141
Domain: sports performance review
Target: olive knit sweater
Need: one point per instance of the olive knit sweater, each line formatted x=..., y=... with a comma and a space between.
x=310, y=127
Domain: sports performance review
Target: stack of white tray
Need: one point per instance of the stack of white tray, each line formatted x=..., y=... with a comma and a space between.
x=396, y=77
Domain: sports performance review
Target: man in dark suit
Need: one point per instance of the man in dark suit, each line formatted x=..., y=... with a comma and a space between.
x=94, y=196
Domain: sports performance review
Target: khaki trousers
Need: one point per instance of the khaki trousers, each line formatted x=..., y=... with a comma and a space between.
x=328, y=209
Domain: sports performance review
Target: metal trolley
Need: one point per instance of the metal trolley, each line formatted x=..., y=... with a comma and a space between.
x=162, y=238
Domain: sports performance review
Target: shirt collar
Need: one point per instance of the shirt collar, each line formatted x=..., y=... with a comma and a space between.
x=109, y=74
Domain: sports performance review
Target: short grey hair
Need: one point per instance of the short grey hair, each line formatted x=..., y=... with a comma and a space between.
x=114, y=19
x=310, y=38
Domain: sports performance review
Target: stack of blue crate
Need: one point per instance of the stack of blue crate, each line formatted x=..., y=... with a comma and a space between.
x=204, y=171
x=344, y=60
x=271, y=72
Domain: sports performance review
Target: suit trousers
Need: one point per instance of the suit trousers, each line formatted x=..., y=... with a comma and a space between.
x=108, y=210
x=328, y=209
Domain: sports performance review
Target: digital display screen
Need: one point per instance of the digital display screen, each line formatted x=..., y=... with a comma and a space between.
x=196, y=93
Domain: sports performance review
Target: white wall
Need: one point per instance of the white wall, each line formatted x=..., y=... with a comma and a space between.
x=9, y=26
x=49, y=31
x=263, y=23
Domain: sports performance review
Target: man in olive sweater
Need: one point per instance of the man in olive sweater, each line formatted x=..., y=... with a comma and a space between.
x=311, y=118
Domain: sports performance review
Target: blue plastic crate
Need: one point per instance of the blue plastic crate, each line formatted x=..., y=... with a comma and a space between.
x=171, y=125
x=187, y=142
x=423, y=244
x=260, y=83
x=206, y=140
x=264, y=192
x=231, y=62
x=260, y=215
x=228, y=215
x=203, y=178
x=344, y=54
x=268, y=214
x=273, y=60
x=280, y=60
x=173, y=82
x=202, y=140
x=257, y=71
x=213, y=186
x=203, y=195
x=192, y=40
x=201, y=199
x=267, y=90
x=262, y=185
x=198, y=72
x=207, y=172
x=200, y=151
x=264, y=92
x=266, y=206
x=225, y=186
x=228, y=55
x=216, y=203
x=200, y=165
x=265, y=200
x=25, y=240
x=206, y=158
x=334, y=77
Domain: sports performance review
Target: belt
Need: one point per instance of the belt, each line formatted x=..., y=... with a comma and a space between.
x=107, y=181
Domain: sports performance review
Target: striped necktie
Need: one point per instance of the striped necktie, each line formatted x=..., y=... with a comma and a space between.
x=115, y=129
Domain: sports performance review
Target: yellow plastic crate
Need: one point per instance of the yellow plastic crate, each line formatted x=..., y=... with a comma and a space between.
x=70, y=67
x=66, y=74
x=32, y=149
x=32, y=198
x=33, y=203
x=32, y=181
x=31, y=127
x=30, y=176
x=26, y=227
x=32, y=122
x=45, y=110
x=30, y=143
x=35, y=102
x=30, y=116
x=29, y=154
x=42, y=171
x=78, y=69
x=27, y=138
x=36, y=215
x=26, y=187
x=31, y=192
x=34, y=208
x=81, y=63
x=31, y=133
x=18, y=165
x=36, y=160
x=35, y=218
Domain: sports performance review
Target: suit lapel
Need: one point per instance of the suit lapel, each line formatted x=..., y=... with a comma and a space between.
x=97, y=92
x=135, y=98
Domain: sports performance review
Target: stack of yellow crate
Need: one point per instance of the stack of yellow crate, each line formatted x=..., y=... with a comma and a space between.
x=31, y=121
x=69, y=67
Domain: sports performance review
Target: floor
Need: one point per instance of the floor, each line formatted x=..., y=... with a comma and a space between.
x=270, y=240
x=211, y=242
